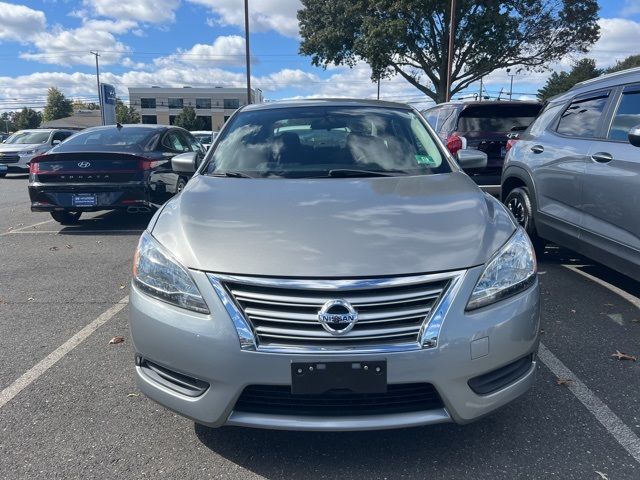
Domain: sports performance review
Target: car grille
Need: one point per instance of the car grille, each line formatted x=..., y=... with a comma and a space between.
x=278, y=400
x=9, y=158
x=284, y=313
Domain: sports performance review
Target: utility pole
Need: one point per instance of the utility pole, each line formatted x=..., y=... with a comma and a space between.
x=99, y=89
x=452, y=23
x=246, y=45
x=480, y=97
x=378, y=87
x=511, y=87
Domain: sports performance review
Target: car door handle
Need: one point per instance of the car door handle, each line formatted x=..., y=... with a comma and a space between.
x=537, y=149
x=602, y=157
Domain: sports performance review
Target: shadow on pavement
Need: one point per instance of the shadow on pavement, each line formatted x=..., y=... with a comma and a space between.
x=16, y=176
x=116, y=222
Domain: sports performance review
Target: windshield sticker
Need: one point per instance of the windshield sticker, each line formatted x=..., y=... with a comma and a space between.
x=425, y=160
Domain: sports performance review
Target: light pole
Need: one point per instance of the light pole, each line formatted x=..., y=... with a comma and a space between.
x=511, y=86
x=452, y=23
x=99, y=89
x=246, y=46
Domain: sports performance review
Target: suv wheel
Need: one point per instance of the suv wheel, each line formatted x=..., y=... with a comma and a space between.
x=66, y=217
x=519, y=204
x=180, y=185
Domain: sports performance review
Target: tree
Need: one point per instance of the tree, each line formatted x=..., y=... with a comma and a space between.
x=629, y=62
x=126, y=114
x=80, y=105
x=560, y=82
x=188, y=120
x=58, y=106
x=26, y=118
x=6, y=122
x=410, y=37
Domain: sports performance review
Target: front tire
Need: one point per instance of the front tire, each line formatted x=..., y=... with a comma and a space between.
x=519, y=204
x=182, y=182
x=65, y=217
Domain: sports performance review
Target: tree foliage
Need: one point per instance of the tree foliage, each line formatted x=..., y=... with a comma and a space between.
x=560, y=82
x=58, y=106
x=26, y=118
x=6, y=122
x=188, y=120
x=585, y=69
x=410, y=37
x=126, y=114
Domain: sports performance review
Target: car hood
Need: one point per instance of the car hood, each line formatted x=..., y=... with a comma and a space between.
x=362, y=227
x=18, y=147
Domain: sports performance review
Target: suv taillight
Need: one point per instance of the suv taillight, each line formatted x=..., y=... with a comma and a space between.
x=34, y=166
x=510, y=143
x=455, y=143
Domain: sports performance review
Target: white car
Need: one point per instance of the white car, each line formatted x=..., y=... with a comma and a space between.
x=17, y=151
x=205, y=137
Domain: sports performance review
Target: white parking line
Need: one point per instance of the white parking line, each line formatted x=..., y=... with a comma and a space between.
x=42, y=366
x=618, y=291
x=609, y=420
x=24, y=228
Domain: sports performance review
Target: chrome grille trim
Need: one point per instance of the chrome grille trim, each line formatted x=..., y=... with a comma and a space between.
x=279, y=315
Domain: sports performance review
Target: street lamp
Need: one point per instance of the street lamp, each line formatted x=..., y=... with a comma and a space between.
x=246, y=46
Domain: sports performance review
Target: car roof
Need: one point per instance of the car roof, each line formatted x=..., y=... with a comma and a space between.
x=631, y=75
x=148, y=126
x=326, y=102
x=487, y=103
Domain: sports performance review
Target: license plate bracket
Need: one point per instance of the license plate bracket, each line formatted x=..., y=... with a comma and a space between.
x=84, y=200
x=315, y=378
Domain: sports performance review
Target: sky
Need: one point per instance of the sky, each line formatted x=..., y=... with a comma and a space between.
x=201, y=43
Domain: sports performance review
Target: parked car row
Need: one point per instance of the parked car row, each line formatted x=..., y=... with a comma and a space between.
x=17, y=151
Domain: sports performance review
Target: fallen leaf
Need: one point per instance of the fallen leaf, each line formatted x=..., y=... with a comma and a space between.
x=609, y=304
x=133, y=395
x=541, y=331
x=31, y=299
x=121, y=287
x=563, y=381
x=116, y=339
x=635, y=320
x=603, y=476
x=573, y=311
x=623, y=356
x=68, y=246
x=98, y=242
x=53, y=249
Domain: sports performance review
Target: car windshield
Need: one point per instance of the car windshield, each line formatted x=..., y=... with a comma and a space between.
x=321, y=141
x=28, y=137
x=497, y=118
x=112, y=139
x=203, y=137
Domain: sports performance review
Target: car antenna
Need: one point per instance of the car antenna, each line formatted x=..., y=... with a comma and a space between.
x=118, y=126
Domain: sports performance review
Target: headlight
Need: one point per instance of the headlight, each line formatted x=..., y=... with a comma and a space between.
x=28, y=152
x=159, y=275
x=511, y=270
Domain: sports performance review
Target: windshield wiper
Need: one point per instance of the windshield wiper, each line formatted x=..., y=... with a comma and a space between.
x=231, y=174
x=348, y=172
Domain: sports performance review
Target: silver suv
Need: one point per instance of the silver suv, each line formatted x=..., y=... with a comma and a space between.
x=17, y=151
x=573, y=177
x=330, y=267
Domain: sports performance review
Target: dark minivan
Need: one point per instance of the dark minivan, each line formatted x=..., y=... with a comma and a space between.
x=485, y=126
x=107, y=168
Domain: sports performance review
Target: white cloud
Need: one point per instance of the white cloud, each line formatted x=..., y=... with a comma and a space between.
x=224, y=51
x=148, y=11
x=264, y=15
x=632, y=7
x=20, y=23
x=618, y=39
x=71, y=47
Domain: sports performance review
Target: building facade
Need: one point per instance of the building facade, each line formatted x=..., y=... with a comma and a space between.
x=214, y=105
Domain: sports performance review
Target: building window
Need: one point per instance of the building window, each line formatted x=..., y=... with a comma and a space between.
x=176, y=103
x=226, y=117
x=172, y=119
x=149, y=119
x=231, y=103
x=205, y=122
x=203, y=103
x=148, y=103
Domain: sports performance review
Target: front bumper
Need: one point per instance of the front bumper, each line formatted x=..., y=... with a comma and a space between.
x=206, y=347
x=109, y=196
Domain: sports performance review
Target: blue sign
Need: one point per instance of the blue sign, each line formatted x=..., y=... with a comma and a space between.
x=108, y=100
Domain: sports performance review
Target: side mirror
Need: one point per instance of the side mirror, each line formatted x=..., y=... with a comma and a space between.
x=469, y=158
x=56, y=142
x=634, y=136
x=184, y=163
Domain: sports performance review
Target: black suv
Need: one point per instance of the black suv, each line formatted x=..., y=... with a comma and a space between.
x=485, y=126
x=108, y=168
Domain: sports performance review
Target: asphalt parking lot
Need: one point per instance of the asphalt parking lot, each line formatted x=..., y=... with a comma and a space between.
x=69, y=407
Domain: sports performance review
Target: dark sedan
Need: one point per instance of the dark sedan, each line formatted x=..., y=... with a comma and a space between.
x=108, y=168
